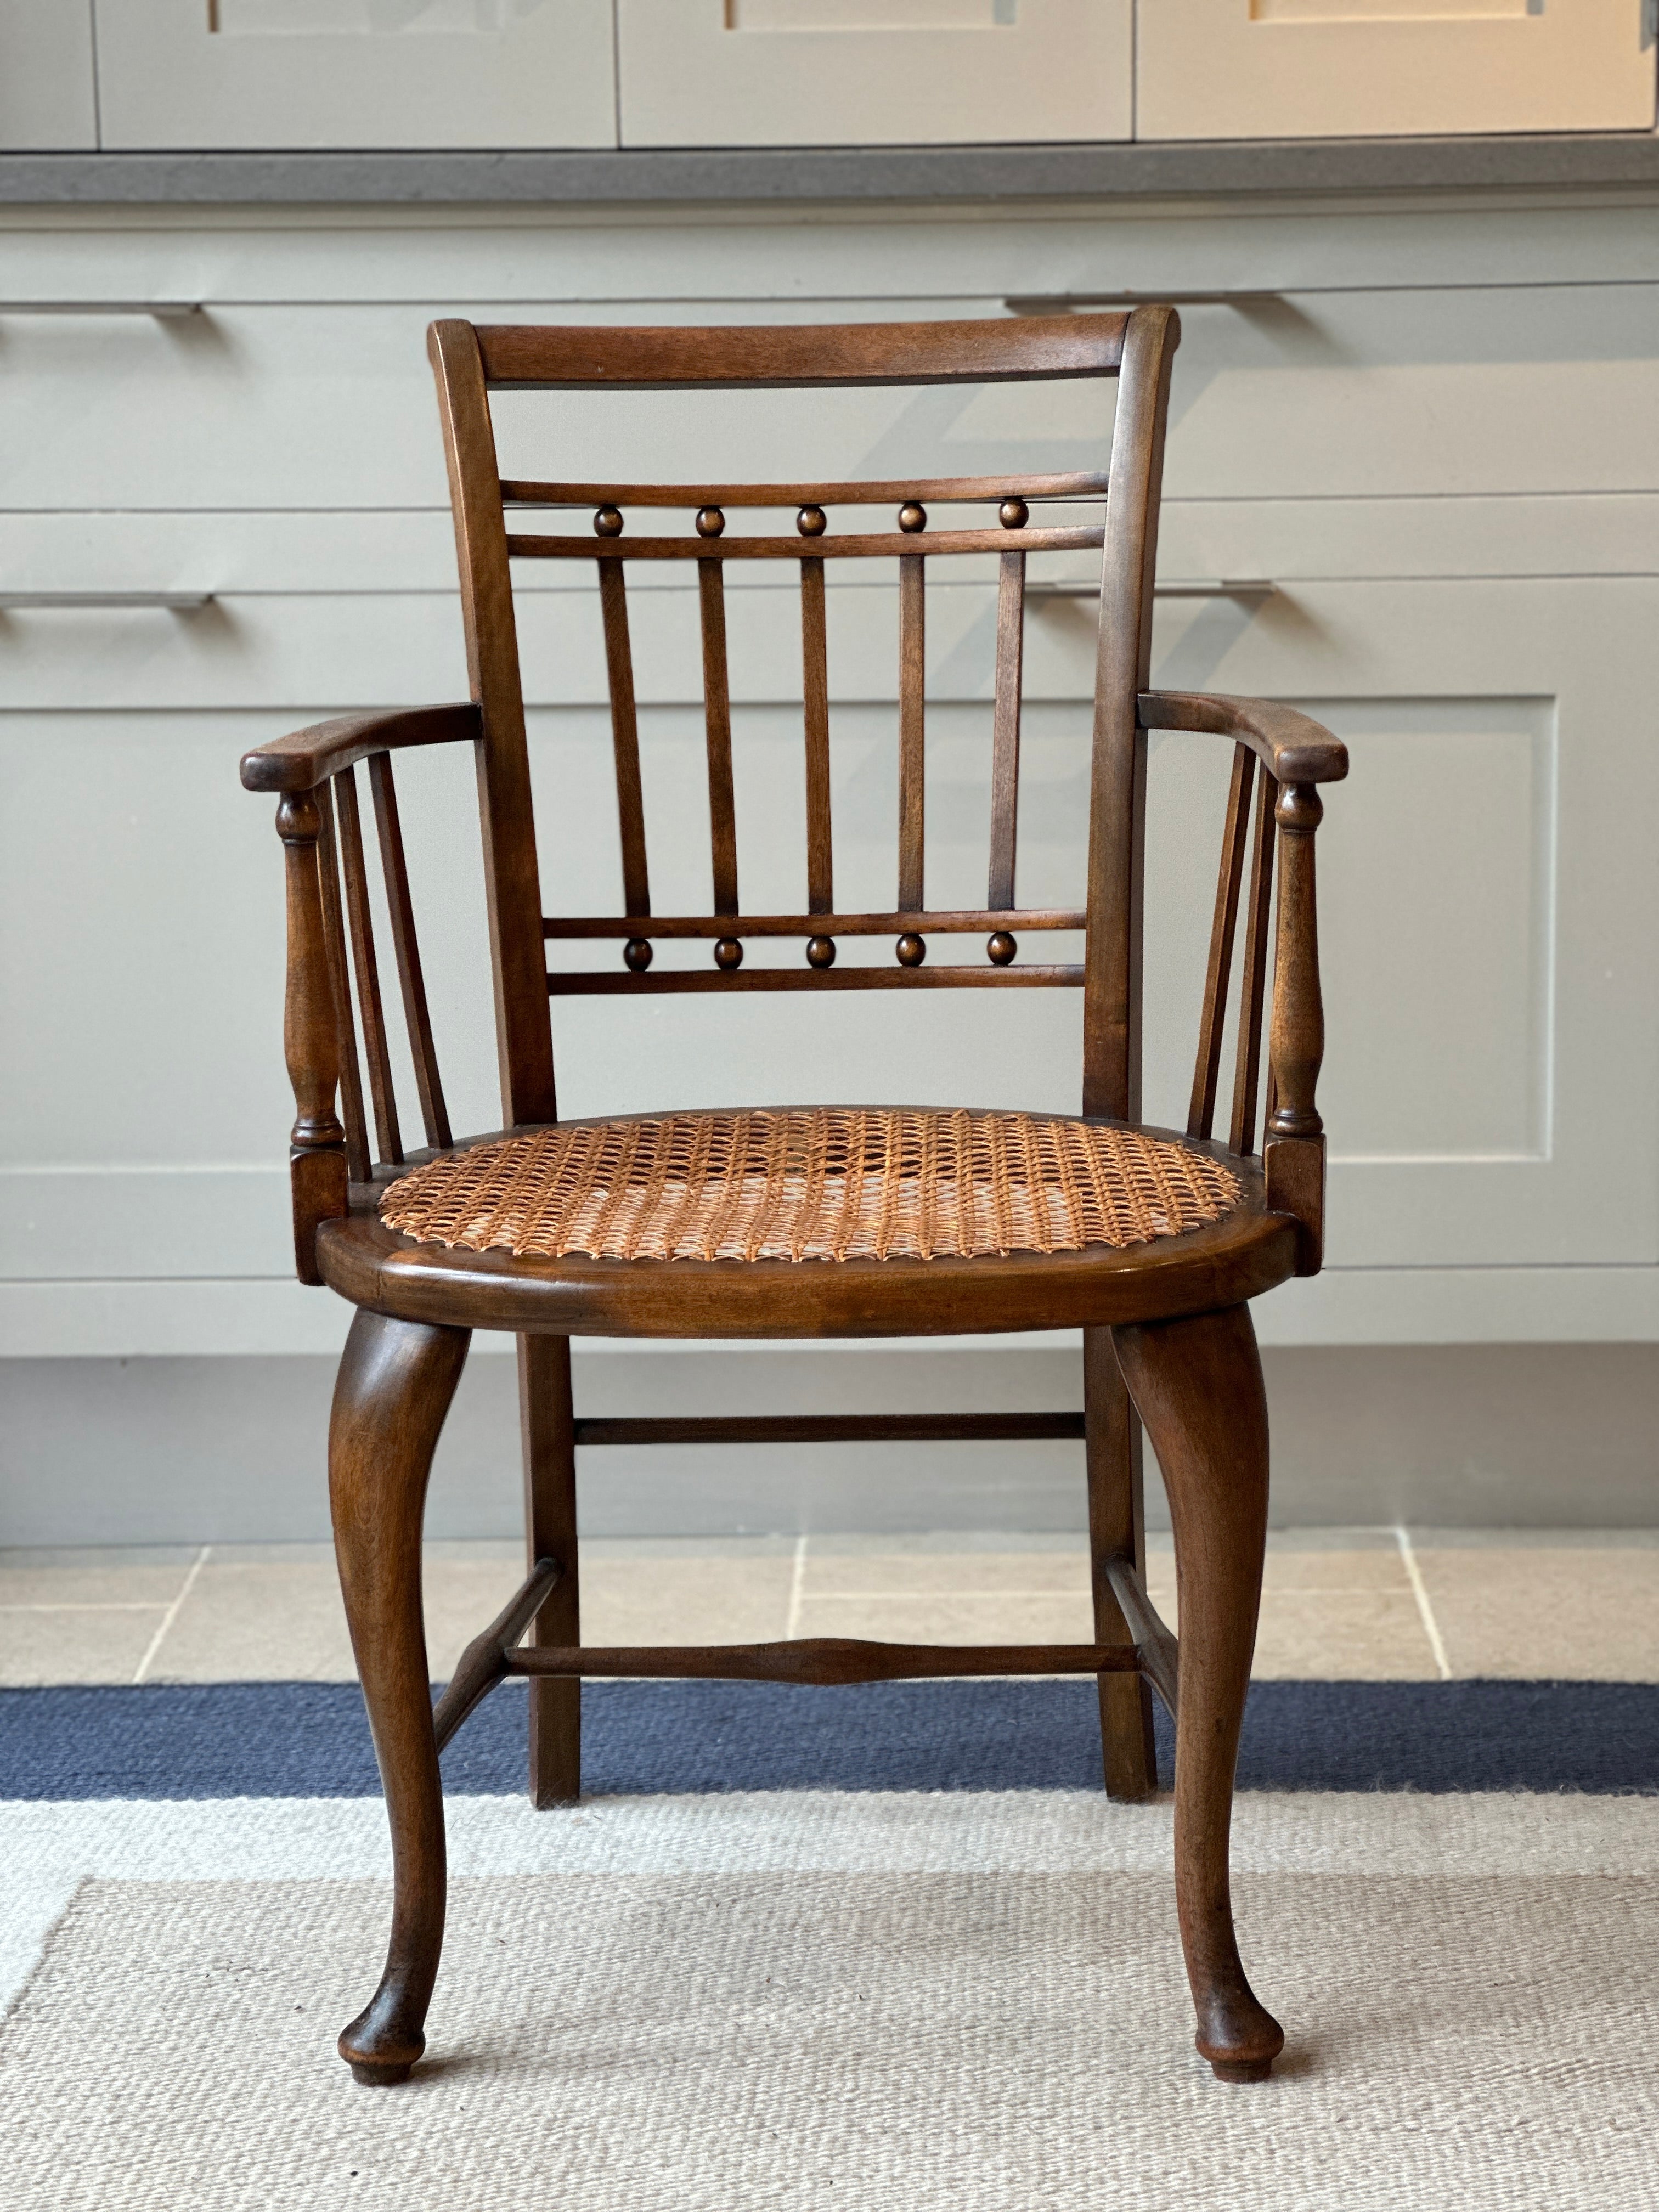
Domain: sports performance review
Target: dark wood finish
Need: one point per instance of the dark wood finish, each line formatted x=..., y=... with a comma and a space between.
x=547, y=1429
x=1253, y=982
x=588, y=983
x=717, y=720
x=625, y=738
x=1197, y=1384
x=826, y=1428
x=1165, y=1323
x=1160, y=1654
x=1292, y=747
x=1246, y=1253
x=1118, y=1535
x=938, y=492
x=524, y=1033
x=1005, y=729
x=1117, y=834
x=351, y=1078
x=826, y=1659
x=1201, y=1116
x=484, y=1662
x=387, y=1135
x=912, y=731
x=301, y=762
x=311, y=1040
x=395, y=1388
x=815, y=697
x=1294, y=1153
x=948, y=922
x=868, y=545
x=800, y=355
x=435, y=1115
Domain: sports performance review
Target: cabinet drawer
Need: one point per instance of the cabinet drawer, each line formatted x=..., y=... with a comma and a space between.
x=45, y=77
x=439, y=73
x=1374, y=69
x=873, y=72
x=1481, y=391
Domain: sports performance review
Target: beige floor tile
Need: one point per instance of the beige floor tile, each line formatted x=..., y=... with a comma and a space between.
x=1305, y=1568
x=1574, y=1611
x=686, y=1600
x=258, y=1621
x=944, y=1574
x=101, y=1646
x=986, y=1619
x=150, y=1575
x=1366, y=1636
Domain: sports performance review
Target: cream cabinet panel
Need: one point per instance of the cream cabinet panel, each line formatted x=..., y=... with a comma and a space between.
x=1384, y=69
x=872, y=72
x=355, y=73
x=46, y=102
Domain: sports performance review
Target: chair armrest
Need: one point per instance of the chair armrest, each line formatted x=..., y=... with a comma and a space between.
x=1294, y=748
x=301, y=762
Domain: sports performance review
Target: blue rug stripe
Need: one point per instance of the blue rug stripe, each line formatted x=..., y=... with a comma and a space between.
x=311, y=1740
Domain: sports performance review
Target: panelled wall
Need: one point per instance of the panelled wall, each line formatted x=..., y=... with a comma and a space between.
x=1413, y=485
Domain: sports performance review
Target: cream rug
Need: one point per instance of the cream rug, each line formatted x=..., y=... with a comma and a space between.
x=713, y=2041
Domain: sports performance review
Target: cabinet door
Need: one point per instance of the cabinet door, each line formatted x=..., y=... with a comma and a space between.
x=355, y=73
x=872, y=72
x=1374, y=69
x=45, y=77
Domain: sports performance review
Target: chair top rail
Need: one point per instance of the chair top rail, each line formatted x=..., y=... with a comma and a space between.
x=943, y=491
x=760, y=357
x=864, y=545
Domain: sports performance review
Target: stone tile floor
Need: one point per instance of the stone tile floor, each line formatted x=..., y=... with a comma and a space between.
x=1361, y=1604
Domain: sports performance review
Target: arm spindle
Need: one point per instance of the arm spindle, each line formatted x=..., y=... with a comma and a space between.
x=1295, y=1147
x=311, y=1040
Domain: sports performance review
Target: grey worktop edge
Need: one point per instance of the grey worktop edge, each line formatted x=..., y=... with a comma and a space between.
x=847, y=174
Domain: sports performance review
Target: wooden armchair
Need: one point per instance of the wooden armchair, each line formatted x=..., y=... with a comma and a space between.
x=833, y=1222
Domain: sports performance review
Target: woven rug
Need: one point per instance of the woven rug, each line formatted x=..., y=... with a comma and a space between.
x=916, y=1962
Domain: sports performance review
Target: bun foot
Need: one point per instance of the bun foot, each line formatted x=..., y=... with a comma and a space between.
x=379, y=2077
x=1245, y=2048
x=1224, y=2069
x=380, y=2049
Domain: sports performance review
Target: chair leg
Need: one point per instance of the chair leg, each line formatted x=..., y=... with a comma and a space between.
x=1197, y=1384
x=1116, y=1531
x=547, y=1422
x=396, y=1383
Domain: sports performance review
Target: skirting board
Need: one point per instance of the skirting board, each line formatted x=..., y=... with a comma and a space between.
x=221, y=1450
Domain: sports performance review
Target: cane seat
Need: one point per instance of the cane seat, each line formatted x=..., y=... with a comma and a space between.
x=812, y=1183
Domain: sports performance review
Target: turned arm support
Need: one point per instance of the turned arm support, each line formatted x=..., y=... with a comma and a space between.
x=301, y=762
x=1299, y=754
x=316, y=1025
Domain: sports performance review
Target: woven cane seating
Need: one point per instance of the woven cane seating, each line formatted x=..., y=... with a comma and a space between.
x=804, y=1222
x=812, y=1183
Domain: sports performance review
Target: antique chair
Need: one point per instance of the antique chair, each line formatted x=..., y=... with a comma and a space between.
x=801, y=1222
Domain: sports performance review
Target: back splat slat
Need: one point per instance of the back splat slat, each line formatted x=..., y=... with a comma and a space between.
x=717, y=716
x=625, y=738
x=912, y=732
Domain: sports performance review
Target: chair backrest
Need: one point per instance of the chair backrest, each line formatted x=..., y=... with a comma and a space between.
x=1138, y=348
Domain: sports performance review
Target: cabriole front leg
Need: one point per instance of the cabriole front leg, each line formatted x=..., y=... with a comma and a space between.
x=397, y=1379
x=1197, y=1385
